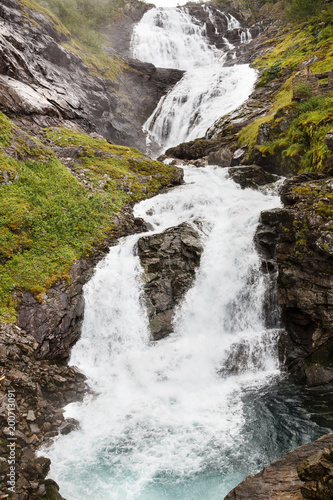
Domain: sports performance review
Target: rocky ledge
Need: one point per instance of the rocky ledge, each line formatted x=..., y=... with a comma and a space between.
x=299, y=239
x=283, y=479
x=169, y=261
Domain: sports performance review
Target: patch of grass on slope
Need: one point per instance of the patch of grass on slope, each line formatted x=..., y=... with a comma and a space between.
x=301, y=146
x=79, y=23
x=50, y=217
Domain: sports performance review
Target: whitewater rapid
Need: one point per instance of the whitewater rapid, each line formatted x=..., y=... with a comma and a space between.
x=163, y=415
x=171, y=38
x=188, y=417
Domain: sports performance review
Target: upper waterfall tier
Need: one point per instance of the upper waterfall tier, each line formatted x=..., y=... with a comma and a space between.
x=170, y=38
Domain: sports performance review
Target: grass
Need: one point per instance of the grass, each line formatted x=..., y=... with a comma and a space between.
x=301, y=146
x=49, y=218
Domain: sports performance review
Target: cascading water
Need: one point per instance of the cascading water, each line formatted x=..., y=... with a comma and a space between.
x=171, y=38
x=168, y=420
x=190, y=416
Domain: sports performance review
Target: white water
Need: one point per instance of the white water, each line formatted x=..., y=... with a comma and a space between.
x=165, y=424
x=170, y=38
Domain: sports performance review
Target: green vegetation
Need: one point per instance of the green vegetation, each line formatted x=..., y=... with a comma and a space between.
x=49, y=216
x=85, y=18
x=81, y=22
x=296, y=132
x=301, y=146
x=303, y=9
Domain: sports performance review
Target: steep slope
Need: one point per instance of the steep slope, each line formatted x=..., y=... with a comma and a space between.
x=48, y=76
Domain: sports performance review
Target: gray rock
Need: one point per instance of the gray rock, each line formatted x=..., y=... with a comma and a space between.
x=169, y=260
x=329, y=140
x=222, y=157
x=251, y=176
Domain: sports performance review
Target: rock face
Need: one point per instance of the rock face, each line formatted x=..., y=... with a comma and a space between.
x=300, y=237
x=280, y=480
x=37, y=390
x=169, y=260
x=45, y=84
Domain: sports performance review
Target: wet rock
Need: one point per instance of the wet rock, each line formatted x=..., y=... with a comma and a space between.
x=193, y=150
x=70, y=424
x=222, y=157
x=169, y=260
x=238, y=157
x=251, y=176
x=280, y=480
x=299, y=238
x=317, y=474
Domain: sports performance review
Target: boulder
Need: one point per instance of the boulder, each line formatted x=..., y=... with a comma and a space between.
x=222, y=157
x=280, y=480
x=169, y=260
x=251, y=176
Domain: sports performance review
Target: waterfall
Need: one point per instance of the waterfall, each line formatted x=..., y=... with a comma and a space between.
x=171, y=38
x=197, y=101
x=169, y=419
x=164, y=414
x=178, y=419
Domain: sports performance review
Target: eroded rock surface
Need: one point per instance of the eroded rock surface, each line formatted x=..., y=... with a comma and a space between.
x=280, y=480
x=38, y=390
x=300, y=237
x=169, y=260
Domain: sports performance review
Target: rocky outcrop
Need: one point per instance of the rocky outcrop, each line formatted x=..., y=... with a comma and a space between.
x=280, y=480
x=299, y=237
x=169, y=260
x=251, y=176
x=44, y=83
x=222, y=157
x=32, y=394
x=317, y=474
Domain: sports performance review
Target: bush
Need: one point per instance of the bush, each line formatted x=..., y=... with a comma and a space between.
x=270, y=73
x=303, y=91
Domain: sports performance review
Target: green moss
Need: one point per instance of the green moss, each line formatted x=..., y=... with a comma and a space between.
x=325, y=208
x=48, y=218
x=33, y=5
x=6, y=131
